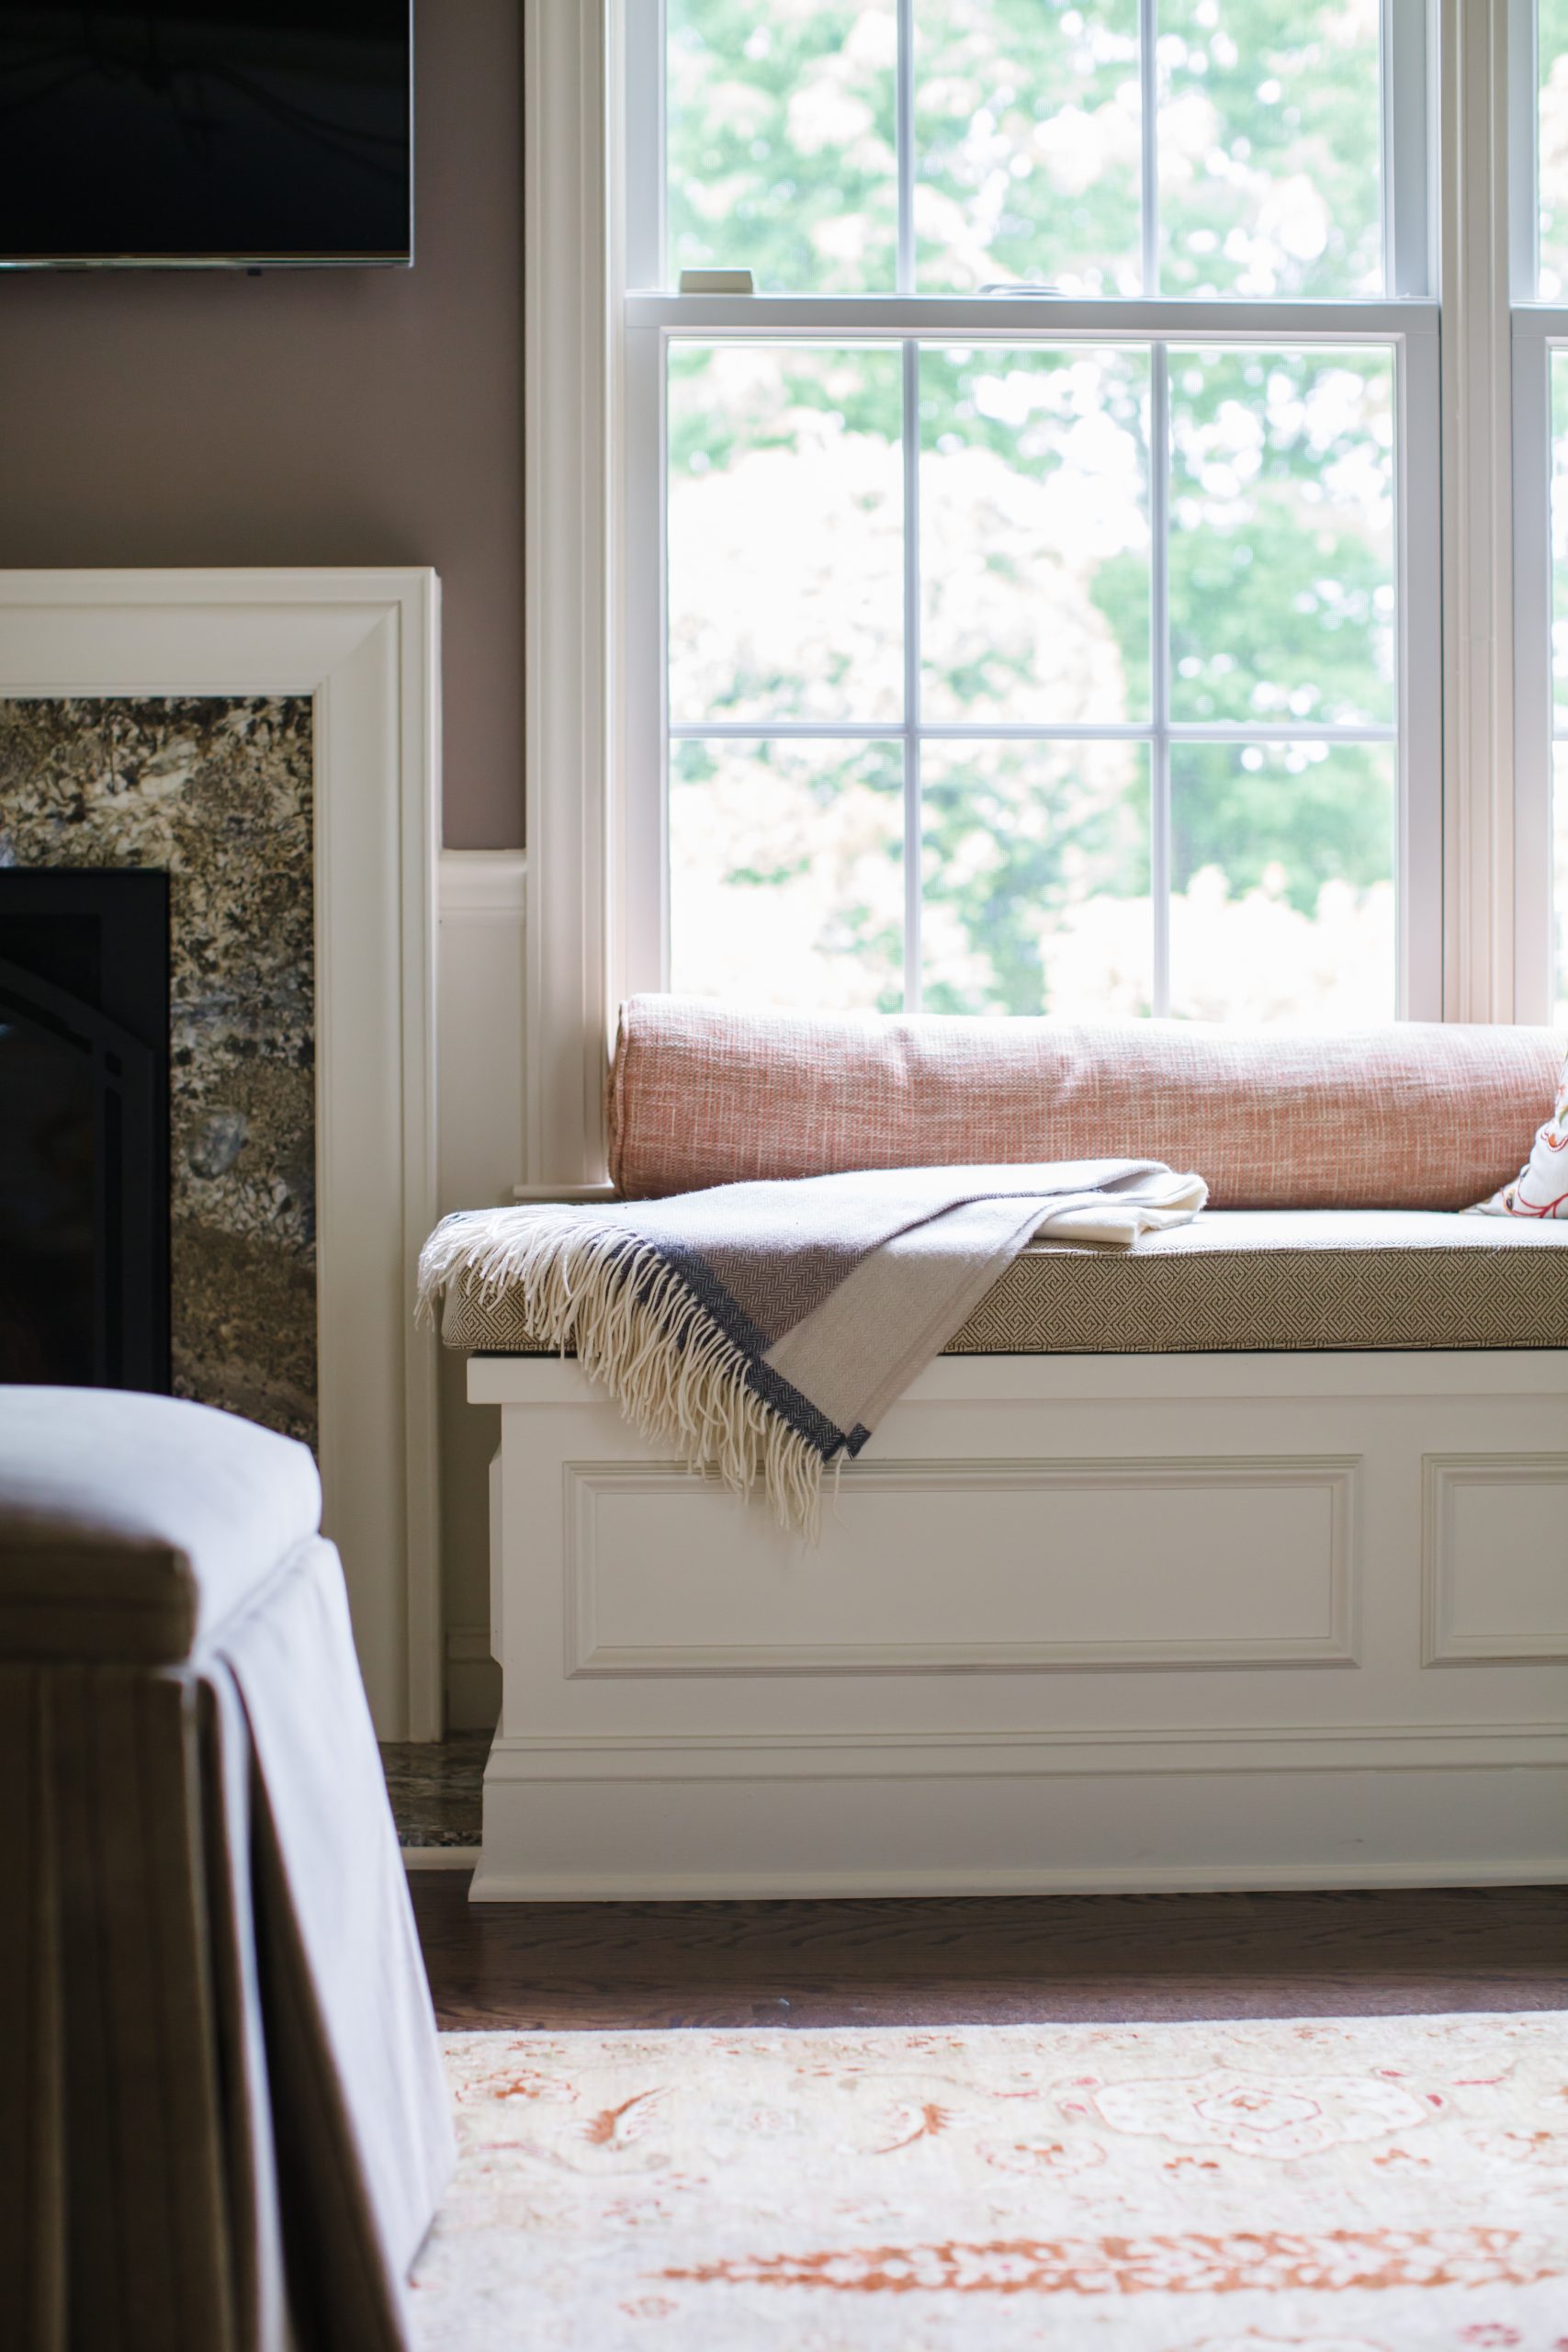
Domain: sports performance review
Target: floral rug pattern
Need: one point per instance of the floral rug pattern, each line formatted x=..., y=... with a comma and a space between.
x=1366, y=2184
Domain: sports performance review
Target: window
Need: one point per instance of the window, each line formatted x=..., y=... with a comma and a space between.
x=1047, y=550
x=1076, y=578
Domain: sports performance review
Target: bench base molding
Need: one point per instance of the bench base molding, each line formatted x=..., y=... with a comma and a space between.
x=1076, y=1624
x=646, y=1822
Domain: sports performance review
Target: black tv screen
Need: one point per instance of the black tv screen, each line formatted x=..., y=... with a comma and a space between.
x=238, y=133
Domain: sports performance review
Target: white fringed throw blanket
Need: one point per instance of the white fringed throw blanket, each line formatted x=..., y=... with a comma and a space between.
x=765, y=1328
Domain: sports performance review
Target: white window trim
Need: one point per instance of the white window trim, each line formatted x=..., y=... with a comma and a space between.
x=1534, y=331
x=1478, y=604
x=592, y=427
x=1537, y=332
x=569, y=276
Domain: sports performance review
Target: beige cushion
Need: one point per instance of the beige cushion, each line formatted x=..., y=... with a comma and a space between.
x=1240, y=1280
x=132, y=1526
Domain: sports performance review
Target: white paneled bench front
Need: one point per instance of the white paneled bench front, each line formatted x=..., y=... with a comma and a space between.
x=1098, y=1620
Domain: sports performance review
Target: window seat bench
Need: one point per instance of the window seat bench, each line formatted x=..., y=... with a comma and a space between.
x=1237, y=1561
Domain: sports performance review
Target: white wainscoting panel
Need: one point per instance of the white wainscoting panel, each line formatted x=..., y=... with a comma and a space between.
x=1116, y=1563
x=1494, y=1557
x=482, y=900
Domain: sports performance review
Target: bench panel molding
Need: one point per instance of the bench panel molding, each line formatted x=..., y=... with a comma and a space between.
x=1264, y=1544
x=1494, y=1558
x=748, y=1725
x=1239, y=1750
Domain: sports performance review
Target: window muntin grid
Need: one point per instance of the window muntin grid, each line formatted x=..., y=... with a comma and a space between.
x=1557, y=376
x=1283, y=747
x=829, y=641
x=1111, y=147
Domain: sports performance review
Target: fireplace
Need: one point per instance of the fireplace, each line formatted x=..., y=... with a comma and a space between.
x=209, y=799
x=166, y=721
x=84, y=1127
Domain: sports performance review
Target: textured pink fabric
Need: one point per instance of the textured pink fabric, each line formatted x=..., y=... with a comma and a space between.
x=1414, y=1116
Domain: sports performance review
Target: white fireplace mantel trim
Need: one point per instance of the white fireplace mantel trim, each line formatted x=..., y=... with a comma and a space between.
x=364, y=643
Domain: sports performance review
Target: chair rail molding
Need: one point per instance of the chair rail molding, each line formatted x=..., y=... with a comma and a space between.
x=363, y=644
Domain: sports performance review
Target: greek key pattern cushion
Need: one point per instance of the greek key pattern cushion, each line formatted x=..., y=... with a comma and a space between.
x=1240, y=1281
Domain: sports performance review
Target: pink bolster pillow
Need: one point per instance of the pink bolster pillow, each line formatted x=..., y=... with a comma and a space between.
x=1412, y=1116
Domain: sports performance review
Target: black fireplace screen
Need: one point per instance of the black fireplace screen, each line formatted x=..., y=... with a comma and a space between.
x=84, y=1127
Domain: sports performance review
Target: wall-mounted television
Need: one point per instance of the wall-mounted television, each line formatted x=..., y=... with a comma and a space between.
x=205, y=133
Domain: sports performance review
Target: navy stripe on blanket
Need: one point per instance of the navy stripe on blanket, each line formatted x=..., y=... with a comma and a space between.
x=770, y=1385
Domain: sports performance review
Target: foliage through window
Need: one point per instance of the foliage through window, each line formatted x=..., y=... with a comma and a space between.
x=1021, y=669
x=1551, y=286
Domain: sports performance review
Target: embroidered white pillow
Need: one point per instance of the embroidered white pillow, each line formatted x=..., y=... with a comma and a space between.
x=1540, y=1188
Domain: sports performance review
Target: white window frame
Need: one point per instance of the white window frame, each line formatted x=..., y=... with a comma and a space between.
x=1535, y=330
x=596, y=333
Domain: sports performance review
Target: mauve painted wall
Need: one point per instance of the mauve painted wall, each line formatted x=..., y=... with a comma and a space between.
x=332, y=416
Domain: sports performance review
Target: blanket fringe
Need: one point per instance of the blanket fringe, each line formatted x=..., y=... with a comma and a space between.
x=637, y=1330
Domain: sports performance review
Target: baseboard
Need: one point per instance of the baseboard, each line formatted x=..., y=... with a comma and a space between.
x=633, y=1819
x=440, y=1858
x=494, y=1884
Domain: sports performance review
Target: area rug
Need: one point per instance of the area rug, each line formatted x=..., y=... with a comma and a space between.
x=1376, y=2184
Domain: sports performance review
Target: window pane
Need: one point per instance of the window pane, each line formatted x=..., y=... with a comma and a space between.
x=1553, y=149
x=782, y=144
x=780, y=139
x=1560, y=681
x=1270, y=132
x=1282, y=882
x=1560, y=886
x=1027, y=145
x=1034, y=536
x=786, y=873
x=1560, y=539
x=1036, y=878
x=1281, y=556
x=785, y=533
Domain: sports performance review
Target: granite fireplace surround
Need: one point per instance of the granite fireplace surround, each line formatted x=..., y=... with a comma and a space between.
x=218, y=791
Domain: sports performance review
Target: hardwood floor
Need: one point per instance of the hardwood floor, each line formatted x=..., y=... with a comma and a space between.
x=1082, y=1959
